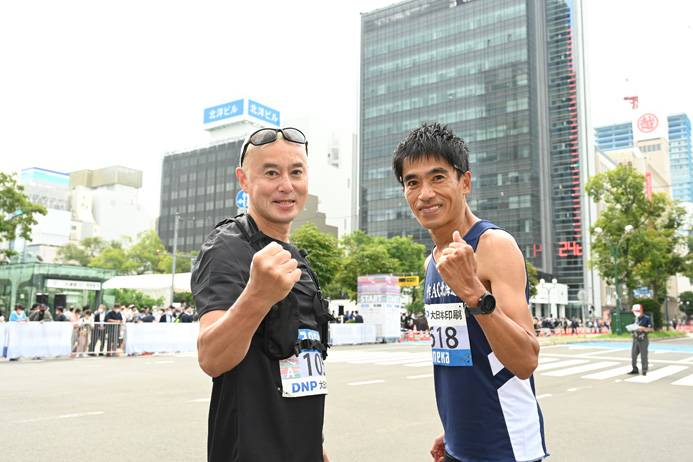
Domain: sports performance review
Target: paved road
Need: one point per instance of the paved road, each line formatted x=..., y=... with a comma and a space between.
x=380, y=407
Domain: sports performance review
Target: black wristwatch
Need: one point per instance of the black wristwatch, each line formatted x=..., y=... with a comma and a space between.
x=486, y=305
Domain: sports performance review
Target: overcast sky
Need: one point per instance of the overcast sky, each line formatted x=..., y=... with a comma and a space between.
x=90, y=84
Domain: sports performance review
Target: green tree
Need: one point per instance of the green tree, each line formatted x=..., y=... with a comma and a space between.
x=664, y=250
x=113, y=258
x=686, y=303
x=81, y=253
x=143, y=254
x=14, y=225
x=365, y=259
x=135, y=297
x=622, y=191
x=324, y=254
x=183, y=262
x=532, y=276
x=654, y=308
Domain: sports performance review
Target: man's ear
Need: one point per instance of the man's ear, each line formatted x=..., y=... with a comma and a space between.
x=466, y=180
x=242, y=178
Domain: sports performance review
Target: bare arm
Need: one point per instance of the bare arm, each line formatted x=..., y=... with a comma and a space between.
x=498, y=267
x=225, y=336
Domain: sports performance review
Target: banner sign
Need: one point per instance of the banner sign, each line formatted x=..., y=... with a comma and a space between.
x=379, y=301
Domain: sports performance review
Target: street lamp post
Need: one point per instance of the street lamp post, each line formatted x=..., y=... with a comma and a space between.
x=554, y=284
x=614, y=253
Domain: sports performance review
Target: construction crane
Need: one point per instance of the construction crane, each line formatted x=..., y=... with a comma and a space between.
x=633, y=101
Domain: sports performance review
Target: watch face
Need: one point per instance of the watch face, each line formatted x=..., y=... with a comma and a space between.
x=488, y=303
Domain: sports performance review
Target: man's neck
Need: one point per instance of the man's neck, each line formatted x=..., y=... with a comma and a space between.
x=279, y=231
x=442, y=237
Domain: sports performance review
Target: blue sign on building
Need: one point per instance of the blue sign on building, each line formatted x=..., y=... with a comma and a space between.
x=223, y=111
x=264, y=113
x=242, y=199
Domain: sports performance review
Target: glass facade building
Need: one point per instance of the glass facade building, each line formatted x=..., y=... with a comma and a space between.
x=620, y=136
x=503, y=74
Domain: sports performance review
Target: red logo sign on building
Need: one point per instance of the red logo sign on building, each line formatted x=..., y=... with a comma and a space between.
x=648, y=123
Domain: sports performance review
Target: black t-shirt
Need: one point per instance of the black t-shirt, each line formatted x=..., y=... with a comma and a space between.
x=249, y=419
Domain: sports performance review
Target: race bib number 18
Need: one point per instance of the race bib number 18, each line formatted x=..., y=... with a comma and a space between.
x=304, y=375
x=449, y=335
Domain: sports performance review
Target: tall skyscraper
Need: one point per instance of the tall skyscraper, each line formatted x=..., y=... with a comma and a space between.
x=506, y=75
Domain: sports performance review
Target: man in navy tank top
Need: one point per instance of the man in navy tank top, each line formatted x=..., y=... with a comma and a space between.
x=476, y=293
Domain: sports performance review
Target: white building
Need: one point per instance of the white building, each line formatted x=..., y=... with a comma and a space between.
x=106, y=203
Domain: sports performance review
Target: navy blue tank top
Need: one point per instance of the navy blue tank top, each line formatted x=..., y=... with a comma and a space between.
x=488, y=414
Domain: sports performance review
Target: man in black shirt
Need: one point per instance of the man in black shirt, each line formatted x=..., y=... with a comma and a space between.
x=260, y=337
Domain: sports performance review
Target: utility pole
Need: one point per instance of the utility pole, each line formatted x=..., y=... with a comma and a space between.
x=175, y=251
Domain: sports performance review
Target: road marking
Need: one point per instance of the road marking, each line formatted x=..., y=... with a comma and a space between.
x=427, y=363
x=657, y=374
x=686, y=381
x=368, y=382
x=64, y=416
x=571, y=362
x=579, y=369
x=382, y=357
x=544, y=396
x=543, y=359
x=609, y=373
x=420, y=376
x=407, y=360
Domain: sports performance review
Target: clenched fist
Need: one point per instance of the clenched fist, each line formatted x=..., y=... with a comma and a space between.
x=457, y=267
x=273, y=273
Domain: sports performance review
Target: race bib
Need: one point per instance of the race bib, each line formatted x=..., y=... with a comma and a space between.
x=449, y=334
x=304, y=375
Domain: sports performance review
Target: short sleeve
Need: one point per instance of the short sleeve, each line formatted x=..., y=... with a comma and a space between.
x=221, y=273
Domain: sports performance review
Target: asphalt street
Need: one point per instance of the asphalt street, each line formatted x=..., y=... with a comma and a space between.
x=380, y=406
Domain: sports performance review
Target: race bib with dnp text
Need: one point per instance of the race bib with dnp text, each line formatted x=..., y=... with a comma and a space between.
x=304, y=375
x=449, y=335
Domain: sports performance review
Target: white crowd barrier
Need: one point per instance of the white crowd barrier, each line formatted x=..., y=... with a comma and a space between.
x=352, y=334
x=35, y=339
x=160, y=337
x=54, y=339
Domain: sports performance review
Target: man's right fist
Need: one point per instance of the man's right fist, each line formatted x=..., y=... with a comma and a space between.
x=273, y=273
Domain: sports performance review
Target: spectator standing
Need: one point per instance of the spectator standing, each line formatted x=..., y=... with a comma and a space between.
x=85, y=327
x=641, y=339
x=98, y=332
x=168, y=316
x=358, y=319
x=148, y=317
x=42, y=314
x=114, y=319
x=186, y=316
x=59, y=314
x=18, y=315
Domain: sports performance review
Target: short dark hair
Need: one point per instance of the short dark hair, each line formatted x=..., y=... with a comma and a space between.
x=435, y=140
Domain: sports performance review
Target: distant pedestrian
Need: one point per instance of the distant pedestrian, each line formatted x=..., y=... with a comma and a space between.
x=358, y=319
x=640, y=339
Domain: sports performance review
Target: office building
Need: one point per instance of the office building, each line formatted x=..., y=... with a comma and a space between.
x=507, y=76
x=620, y=137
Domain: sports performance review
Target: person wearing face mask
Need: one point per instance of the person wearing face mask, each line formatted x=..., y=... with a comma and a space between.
x=99, y=332
x=167, y=316
x=114, y=319
x=640, y=330
x=18, y=314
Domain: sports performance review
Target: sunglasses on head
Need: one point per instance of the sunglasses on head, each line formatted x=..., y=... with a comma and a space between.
x=269, y=135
